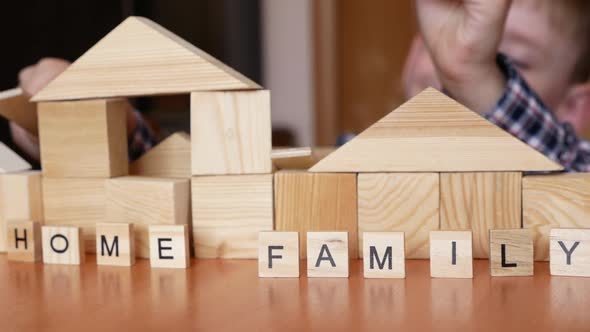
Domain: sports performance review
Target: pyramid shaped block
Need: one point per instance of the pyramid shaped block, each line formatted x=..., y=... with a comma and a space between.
x=139, y=57
x=171, y=158
x=10, y=161
x=433, y=133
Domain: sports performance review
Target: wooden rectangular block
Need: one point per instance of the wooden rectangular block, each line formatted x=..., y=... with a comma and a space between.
x=24, y=241
x=511, y=252
x=400, y=202
x=228, y=213
x=554, y=201
x=327, y=254
x=75, y=202
x=384, y=255
x=171, y=158
x=147, y=201
x=16, y=107
x=451, y=254
x=316, y=202
x=86, y=138
x=231, y=132
x=62, y=245
x=278, y=255
x=169, y=246
x=480, y=202
x=570, y=252
x=115, y=244
x=22, y=196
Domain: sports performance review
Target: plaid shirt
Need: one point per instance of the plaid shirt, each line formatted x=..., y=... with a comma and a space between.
x=141, y=139
x=522, y=113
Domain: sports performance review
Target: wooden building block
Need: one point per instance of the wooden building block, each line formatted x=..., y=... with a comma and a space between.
x=171, y=158
x=327, y=254
x=167, y=65
x=22, y=196
x=62, y=245
x=23, y=240
x=511, y=252
x=278, y=255
x=147, y=201
x=316, y=202
x=401, y=202
x=115, y=244
x=169, y=246
x=384, y=255
x=228, y=213
x=16, y=107
x=75, y=202
x=82, y=139
x=292, y=158
x=231, y=132
x=570, y=252
x=554, y=201
x=451, y=254
x=480, y=202
x=10, y=161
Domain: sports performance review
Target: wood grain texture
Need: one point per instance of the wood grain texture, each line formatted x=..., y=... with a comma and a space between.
x=62, y=245
x=24, y=241
x=171, y=158
x=518, y=252
x=316, y=202
x=146, y=201
x=115, y=244
x=402, y=202
x=139, y=58
x=84, y=138
x=479, y=202
x=231, y=132
x=292, y=158
x=169, y=246
x=327, y=254
x=441, y=257
x=278, y=254
x=574, y=262
x=555, y=201
x=10, y=161
x=22, y=196
x=433, y=133
x=16, y=107
x=387, y=258
x=229, y=212
x=75, y=202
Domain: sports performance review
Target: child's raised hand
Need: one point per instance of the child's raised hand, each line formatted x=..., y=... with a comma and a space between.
x=35, y=77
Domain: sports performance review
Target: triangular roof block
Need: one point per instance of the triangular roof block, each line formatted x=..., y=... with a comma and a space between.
x=171, y=158
x=10, y=161
x=140, y=58
x=433, y=133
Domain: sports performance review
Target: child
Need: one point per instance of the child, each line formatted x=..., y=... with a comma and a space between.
x=486, y=53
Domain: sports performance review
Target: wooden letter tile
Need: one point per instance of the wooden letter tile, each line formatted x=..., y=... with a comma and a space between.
x=115, y=244
x=24, y=241
x=384, y=255
x=169, y=246
x=327, y=254
x=570, y=252
x=451, y=254
x=22, y=195
x=511, y=252
x=62, y=245
x=278, y=254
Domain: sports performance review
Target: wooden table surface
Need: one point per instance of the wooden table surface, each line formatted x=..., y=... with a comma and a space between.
x=217, y=295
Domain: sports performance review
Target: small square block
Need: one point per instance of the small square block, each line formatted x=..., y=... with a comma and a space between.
x=511, y=252
x=278, y=254
x=451, y=254
x=22, y=196
x=62, y=245
x=384, y=255
x=169, y=246
x=327, y=254
x=23, y=241
x=569, y=251
x=115, y=244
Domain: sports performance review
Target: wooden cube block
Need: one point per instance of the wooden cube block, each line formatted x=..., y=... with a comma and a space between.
x=554, y=201
x=22, y=196
x=451, y=254
x=401, y=202
x=228, y=214
x=278, y=254
x=384, y=255
x=169, y=246
x=24, y=241
x=115, y=244
x=75, y=202
x=511, y=252
x=86, y=138
x=147, y=201
x=316, y=202
x=570, y=252
x=171, y=158
x=231, y=132
x=62, y=245
x=480, y=202
x=327, y=254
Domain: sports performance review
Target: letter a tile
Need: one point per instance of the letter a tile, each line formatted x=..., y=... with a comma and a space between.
x=327, y=254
